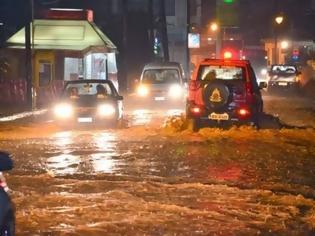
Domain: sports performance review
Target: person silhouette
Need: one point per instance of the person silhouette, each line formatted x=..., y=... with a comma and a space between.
x=73, y=92
x=101, y=91
x=211, y=75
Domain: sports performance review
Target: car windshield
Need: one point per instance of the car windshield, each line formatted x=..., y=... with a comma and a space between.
x=87, y=89
x=221, y=72
x=281, y=69
x=161, y=76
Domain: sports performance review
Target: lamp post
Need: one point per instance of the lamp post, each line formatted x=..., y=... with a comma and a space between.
x=278, y=19
x=215, y=28
x=1, y=33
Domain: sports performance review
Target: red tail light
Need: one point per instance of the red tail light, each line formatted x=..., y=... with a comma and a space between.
x=249, y=92
x=243, y=112
x=195, y=110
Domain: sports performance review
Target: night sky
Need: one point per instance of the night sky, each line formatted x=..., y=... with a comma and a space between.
x=255, y=15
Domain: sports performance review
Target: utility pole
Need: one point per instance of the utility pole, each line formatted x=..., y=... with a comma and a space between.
x=188, y=30
x=151, y=27
x=124, y=78
x=164, y=30
x=28, y=55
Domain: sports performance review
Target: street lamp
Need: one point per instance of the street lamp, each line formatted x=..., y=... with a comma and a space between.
x=279, y=20
x=284, y=44
x=214, y=26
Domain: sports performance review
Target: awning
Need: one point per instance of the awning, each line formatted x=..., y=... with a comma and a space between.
x=64, y=35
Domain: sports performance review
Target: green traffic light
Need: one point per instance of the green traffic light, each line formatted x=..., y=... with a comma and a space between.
x=228, y=1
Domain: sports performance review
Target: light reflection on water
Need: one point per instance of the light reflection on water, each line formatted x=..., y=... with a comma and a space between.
x=63, y=164
x=106, y=145
x=63, y=139
x=175, y=112
x=141, y=117
x=103, y=163
x=101, y=150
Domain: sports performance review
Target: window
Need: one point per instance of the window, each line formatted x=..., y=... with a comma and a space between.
x=87, y=89
x=45, y=73
x=161, y=76
x=222, y=72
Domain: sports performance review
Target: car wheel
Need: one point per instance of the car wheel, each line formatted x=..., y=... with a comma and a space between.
x=194, y=124
x=8, y=228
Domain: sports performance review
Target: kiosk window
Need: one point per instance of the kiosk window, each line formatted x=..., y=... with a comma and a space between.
x=45, y=73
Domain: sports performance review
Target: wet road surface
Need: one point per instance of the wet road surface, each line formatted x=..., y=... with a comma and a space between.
x=145, y=180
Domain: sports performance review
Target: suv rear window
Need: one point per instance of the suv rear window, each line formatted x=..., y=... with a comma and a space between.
x=210, y=72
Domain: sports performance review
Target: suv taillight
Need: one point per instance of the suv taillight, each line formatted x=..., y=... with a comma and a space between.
x=249, y=91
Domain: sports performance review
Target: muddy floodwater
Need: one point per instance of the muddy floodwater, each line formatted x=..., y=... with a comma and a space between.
x=148, y=180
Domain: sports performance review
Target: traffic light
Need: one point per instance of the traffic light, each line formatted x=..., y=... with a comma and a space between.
x=157, y=46
x=228, y=12
x=295, y=54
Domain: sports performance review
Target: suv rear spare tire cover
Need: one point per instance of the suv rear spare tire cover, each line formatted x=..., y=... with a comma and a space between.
x=216, y=94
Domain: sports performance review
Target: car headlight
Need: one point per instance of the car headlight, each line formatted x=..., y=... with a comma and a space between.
x=106, y=110
x=175, y=91
x=263, y=72
x=142, y=91
x=63, y=110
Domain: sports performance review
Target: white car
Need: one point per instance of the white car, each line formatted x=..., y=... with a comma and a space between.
x=162, y=82
x=283, y=77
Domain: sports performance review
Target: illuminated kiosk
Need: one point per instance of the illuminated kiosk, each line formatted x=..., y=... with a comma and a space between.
x=67, y=45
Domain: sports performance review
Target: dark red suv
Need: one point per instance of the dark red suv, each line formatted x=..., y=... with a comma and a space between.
x=224, y=92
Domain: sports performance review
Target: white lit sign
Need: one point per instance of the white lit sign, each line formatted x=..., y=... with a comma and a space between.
x=193, y=40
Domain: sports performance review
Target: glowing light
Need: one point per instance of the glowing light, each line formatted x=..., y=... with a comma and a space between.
x=63, y=110
x=227, y=55
x=263, y=71
x=195, y=110
x=284, y=44
x=279, y=19
x=106, y=110
x=142, y=91
x=175, y=91
x=214, y=26
x=243, y=112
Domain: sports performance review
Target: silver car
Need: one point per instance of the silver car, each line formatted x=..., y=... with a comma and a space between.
x=162, y=82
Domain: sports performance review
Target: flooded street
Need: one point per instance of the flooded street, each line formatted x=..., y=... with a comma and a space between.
x=147, y=180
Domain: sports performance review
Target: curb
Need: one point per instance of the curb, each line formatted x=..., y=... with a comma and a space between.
x=22, y=115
